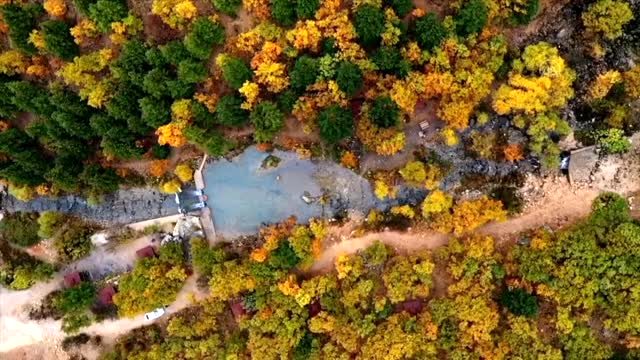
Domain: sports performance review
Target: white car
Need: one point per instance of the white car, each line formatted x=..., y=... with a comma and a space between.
x=152, y=315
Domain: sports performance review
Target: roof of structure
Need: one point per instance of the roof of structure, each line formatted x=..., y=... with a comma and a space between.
x=72, y=279
x=105, y=295
x=582, y=163
x=147, y=251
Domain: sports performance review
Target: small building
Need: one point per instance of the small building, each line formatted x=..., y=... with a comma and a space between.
x=582, y=162
x=413, y=307
x=105, y=295
x=314, y=308
x=146, y=252
x=72, y=279
x=237, y=309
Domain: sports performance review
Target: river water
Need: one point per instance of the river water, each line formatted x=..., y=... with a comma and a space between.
x=243, y=195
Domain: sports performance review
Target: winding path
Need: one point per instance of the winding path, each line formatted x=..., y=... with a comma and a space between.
x=555, y=210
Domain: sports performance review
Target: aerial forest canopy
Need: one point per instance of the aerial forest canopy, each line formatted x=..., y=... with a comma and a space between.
x=91, y=84
x=465, y=300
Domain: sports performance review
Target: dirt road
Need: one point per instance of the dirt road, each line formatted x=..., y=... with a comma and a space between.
x=17, y=330
x=563, y=205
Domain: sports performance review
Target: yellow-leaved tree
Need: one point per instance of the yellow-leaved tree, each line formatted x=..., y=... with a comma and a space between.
x=540, y=81
x=607, y=18
x=603, y=84
x=175, y=13
x=172, y=133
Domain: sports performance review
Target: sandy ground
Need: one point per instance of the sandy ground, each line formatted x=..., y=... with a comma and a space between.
x=17, y=330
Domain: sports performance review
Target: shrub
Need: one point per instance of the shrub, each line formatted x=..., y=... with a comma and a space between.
x=369, y=24
x=19, y=270
x=401, y=7
x=613, y=141
x=83, y=5
x=483, y=144
x=58, y=39
x=283, y=12
x=234, y=71
x=389, y=60
x=192, y=72
x=429, y=31
x=131, y=65
x=267, y=120
x=527, y=14
x=100, y=180
x=73, y=242
x=73, y=322
x=414, y=172
x=49, y=223
x=210, y=141
x=471, y=18
x=607, y=18
x=304, y=73
x=74, y=341
x=306, y=9
x=287, y=100
x=349, y=78
x=384, y=112
x=509, y=198
x=21, y=20
x=229, y=7
x=105, y=12
x=184, y=172
x=205, y=257
x=155, y=82
x=174, y=52
x=229, y=111
x=77, y=298
x=203, y=36
x=335, y=123
x=160, y=151
x=155, y=112
x=519, y=302
x=20, y=228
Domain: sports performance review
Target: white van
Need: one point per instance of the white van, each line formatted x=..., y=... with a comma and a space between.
x=155, y=314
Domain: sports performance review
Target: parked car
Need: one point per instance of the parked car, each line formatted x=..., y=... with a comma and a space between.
x=155, y=314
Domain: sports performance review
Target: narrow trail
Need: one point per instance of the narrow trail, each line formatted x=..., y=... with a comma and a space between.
x=561, y=207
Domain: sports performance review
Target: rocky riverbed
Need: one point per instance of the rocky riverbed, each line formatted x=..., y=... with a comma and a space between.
x=122, y=207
